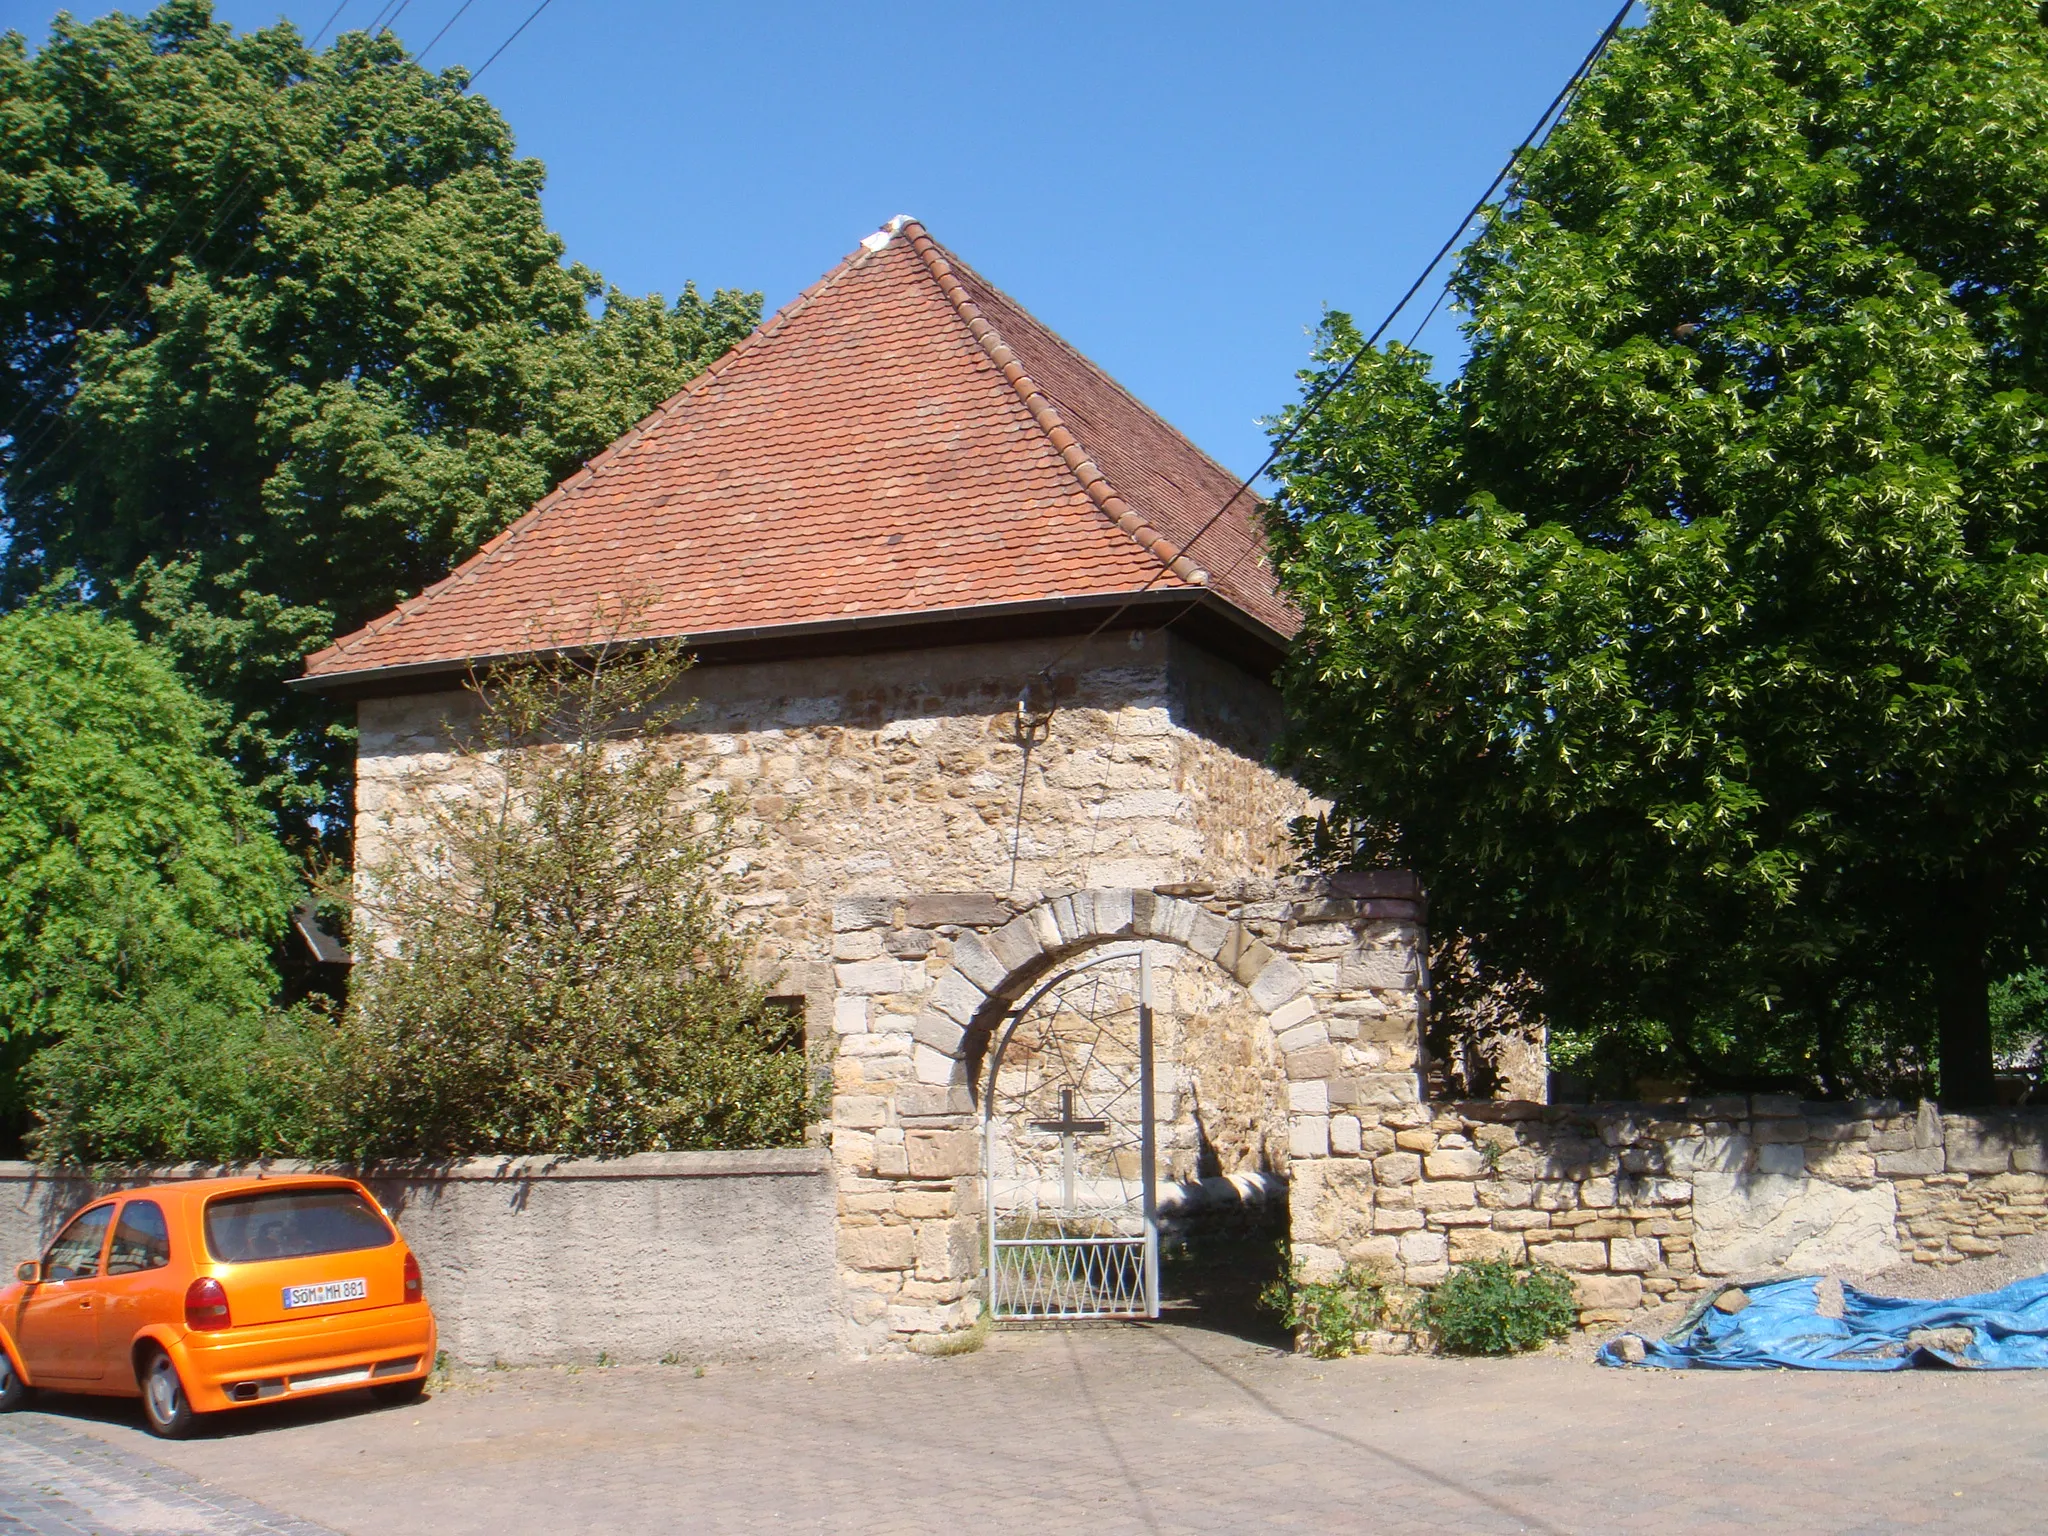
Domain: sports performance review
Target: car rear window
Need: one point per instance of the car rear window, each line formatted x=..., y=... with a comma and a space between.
x=292, y=1224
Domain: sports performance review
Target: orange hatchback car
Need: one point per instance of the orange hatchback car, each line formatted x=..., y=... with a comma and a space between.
x=216, y=1294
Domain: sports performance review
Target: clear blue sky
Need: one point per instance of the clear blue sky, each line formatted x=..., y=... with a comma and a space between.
x=1178, y=189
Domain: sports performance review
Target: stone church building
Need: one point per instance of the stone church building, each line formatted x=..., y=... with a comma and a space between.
x=991, y=682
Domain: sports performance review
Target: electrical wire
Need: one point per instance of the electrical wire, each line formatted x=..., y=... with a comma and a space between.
x=1321, y=394
x=227, y=209
x=334, y=16
x=1559, y=107
x=487, y=63
x=466, y=4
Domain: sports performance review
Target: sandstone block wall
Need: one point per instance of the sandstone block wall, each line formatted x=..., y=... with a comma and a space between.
x=1645, y=1203
x=1329, y=971
x=880, y=777
x=914, y=848
x=917, y=853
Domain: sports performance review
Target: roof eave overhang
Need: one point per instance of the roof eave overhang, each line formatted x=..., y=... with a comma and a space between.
x=1202, y=616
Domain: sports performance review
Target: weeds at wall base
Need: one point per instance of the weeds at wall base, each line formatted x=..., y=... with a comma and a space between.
x=964, y=1341
x=1330, y=1318
x=1493, y=1307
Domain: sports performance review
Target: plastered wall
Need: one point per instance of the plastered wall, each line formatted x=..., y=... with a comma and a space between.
x=691, y=1255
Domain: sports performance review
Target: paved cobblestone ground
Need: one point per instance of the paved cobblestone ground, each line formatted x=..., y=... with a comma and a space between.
x=57, y=1481
x=1138, y=1430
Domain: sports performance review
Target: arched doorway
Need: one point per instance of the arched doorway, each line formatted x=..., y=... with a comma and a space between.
x=1133, y=1119
x=1288, y=1012
x=1070, y=1146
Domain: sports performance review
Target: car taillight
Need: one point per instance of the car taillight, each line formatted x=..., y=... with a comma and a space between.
x=206, y=1306
x=412, y=1278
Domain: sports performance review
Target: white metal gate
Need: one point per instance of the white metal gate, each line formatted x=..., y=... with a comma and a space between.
x=1069, y=1160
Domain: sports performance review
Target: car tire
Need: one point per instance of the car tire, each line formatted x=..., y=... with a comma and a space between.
x=396, y=1392
x=14, y=1392
x=164, y=1403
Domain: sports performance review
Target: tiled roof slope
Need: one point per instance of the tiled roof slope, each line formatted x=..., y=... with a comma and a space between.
x=1175, y=486
x=902, y=439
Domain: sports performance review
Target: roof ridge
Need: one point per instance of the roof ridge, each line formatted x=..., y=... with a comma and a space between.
x=585, y=472
x=1085, y=361
x=1047, y=416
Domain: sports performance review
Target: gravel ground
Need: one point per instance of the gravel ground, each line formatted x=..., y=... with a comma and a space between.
x=2023, y=1257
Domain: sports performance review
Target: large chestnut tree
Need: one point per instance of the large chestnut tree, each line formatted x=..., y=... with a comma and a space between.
x=1692, y=639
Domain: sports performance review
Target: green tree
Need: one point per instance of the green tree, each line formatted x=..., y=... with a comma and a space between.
x=140, y=884
x=1692, y=640
x=555, y=964
x=286, y=335
x=172, y=1075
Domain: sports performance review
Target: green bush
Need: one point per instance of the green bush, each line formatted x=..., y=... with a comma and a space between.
x=1330, y=1317
x=555, y=962
x=141, y=893
x=172, y=1077
x=1491, y=1307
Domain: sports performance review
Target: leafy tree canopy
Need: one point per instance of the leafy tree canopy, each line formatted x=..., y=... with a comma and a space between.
x=1692, y=640
x=134, y=865
x=286, y=334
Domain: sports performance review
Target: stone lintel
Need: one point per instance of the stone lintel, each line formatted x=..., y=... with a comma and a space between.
x=962, y=909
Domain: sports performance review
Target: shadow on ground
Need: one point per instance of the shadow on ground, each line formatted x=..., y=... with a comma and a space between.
x=263, y=1418
x=1217, y=1274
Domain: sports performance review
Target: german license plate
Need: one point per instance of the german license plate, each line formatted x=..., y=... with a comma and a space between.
x=325, y=1294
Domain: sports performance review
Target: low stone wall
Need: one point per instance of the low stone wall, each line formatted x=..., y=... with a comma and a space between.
x=694, y=1255
x=1644, y=1203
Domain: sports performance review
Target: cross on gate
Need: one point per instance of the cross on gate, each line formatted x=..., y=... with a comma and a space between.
x=1067, y=1128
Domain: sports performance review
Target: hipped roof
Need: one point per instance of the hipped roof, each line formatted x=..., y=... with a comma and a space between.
x=902, y=441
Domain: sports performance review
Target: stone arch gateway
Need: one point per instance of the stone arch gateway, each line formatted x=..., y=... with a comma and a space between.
x=1330, y=974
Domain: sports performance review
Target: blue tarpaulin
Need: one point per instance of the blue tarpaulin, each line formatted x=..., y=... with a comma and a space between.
x=1782, y=1326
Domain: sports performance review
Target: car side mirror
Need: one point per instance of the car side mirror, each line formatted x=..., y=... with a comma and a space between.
x=28, y=1271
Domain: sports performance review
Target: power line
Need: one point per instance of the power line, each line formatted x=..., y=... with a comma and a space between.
x=230, y=206
x=330, y=21
x=1560, y=104
x=487, y=63
x=228, y=210
x=466, y=4
x=1320, y=395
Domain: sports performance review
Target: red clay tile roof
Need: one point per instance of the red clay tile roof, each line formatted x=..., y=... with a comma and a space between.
x=901, y=439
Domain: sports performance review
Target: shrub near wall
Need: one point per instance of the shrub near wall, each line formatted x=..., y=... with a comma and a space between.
x=1492, y=1307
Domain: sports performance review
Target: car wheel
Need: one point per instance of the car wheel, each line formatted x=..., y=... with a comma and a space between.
x=399, y=1391
x=14, y=1392
x=164, y=1402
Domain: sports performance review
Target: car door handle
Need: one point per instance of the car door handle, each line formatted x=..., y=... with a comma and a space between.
x=85, y=1304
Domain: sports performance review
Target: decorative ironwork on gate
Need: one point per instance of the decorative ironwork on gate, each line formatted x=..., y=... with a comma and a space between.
x=1069, y=1161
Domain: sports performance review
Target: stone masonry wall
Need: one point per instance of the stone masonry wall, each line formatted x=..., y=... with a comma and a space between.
x=1327, y=968
x=883, y=776
x=1645, y=1203
x=914, y=848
